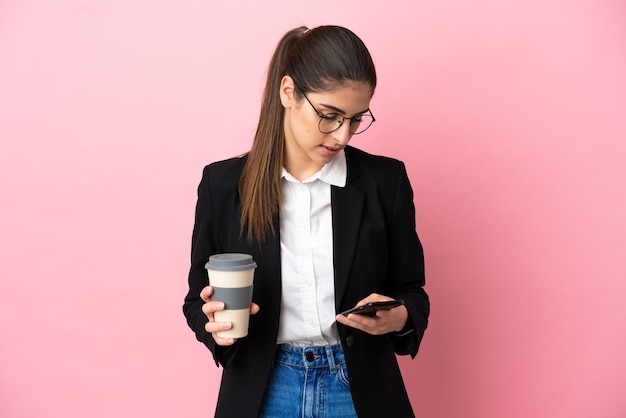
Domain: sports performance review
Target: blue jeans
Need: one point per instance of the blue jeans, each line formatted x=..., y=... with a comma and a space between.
x=309, y=382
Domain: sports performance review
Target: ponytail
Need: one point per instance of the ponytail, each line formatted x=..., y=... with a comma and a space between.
x=259, y=185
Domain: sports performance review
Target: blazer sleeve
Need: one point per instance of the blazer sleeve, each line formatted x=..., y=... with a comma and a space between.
x=407, y=268
x=205, y=242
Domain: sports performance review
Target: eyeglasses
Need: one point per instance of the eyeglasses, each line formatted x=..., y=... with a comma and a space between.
x=330, y=122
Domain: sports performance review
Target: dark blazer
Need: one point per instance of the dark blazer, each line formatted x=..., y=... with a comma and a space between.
x=376, y=249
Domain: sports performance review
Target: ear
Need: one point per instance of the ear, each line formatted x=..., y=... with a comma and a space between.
x=287, y=92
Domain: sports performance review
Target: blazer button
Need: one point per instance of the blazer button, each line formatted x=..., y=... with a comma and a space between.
x=349, y=340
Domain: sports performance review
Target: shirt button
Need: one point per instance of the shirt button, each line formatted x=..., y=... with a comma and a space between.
x=349, y=340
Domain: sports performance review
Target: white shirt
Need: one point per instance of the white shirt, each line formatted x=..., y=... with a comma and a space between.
x=306, y=251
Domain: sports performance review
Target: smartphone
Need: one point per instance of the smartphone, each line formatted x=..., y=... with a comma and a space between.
x=370, y=309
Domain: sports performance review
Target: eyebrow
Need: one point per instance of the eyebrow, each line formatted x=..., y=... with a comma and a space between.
x=336, y=109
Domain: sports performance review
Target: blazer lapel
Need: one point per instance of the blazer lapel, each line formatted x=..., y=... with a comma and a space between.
x=347, y=209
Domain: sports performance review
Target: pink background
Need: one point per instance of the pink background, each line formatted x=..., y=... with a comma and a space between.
x=510, y=116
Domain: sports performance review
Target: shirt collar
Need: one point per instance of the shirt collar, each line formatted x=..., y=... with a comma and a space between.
x=333, y=173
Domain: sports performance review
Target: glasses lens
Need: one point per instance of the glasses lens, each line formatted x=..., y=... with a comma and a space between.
x=332, y=121
x=361, y=124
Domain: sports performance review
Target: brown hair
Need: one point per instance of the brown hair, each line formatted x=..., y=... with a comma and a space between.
x=318, y=59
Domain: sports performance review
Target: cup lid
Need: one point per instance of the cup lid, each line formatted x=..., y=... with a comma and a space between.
x=230, y=262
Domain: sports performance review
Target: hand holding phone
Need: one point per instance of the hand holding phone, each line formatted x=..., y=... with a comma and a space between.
x=370, y=309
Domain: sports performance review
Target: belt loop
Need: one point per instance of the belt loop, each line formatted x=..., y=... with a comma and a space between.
x=331, y=358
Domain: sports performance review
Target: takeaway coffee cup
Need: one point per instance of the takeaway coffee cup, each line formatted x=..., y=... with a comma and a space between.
x=232, y=276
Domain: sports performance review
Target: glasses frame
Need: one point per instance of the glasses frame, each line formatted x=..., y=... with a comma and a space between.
x=323, y=116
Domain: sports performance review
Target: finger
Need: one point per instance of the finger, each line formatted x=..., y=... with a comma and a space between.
x=214, y=327
x=210, y=307
x=371, y=325
x=224, y=341
x=345, y=321
x=254, y=309
x=206, y=293
x=361, y=322
x=373, y=297
x=385, y=313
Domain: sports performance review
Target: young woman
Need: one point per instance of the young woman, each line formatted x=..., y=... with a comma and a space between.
x=330, y=227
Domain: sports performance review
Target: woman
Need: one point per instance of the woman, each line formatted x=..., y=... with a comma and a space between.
x=330, y=227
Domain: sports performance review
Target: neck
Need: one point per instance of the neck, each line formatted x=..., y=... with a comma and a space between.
x=301, y=171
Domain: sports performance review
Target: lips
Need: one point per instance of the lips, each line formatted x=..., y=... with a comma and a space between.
x=330, y=151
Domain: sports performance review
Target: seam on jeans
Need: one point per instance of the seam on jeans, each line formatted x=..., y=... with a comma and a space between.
x=343, y=376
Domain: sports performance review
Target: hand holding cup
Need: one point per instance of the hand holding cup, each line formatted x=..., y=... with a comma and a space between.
x=213, y=327
x=231, y=277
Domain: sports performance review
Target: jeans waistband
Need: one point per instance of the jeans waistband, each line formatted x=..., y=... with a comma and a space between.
x=330, y=356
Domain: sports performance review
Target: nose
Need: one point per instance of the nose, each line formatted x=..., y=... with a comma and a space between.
x=342, y=135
